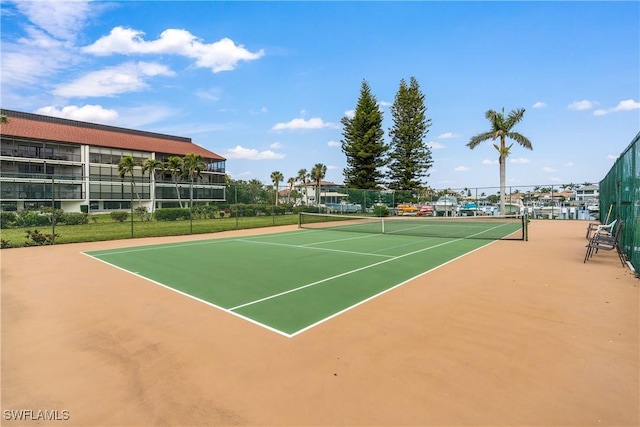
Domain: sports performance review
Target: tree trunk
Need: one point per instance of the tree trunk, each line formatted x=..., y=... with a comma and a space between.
x=178, y=192
x=502, y=182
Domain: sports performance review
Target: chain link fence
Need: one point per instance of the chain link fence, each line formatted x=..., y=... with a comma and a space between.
x=620, y=192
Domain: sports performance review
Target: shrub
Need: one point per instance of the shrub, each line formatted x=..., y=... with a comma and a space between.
x=36, y=238
x=119, y=216
x=143, y=213
x=52, y=214
x=31, y=219
x=74, y=218
x=172, y=214
x=4, y=244
x=7, y=219
x=205, y=211
x=380, y=210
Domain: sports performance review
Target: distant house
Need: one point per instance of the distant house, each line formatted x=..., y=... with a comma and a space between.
x=588, y=194
x=329, y=193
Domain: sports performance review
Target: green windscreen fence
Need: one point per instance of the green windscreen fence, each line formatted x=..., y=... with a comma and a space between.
x=620, y=191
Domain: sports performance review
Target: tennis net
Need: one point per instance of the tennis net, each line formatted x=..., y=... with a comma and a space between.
x=474, y=227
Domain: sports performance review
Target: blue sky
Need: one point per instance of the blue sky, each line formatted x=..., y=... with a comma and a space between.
x=265, y=84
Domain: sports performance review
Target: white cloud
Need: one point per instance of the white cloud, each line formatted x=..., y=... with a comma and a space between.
x=449, y=135
x=330, y=167
x=490, y=162
x=48, y=45
x=519, y=160
x=350, y=114
x=612, y=157
x=383, y=104
x=334, y=144
x=548, y=169
x=582, y=105
x=539, y=104
x=212, y=94
x=86, y=113
x=111, y=81
x=142, y=115
x=461, y=169
x=275, y=146
x=223, y=55
x=626, y=105
x=569, y=165
x=59, y=19
x=435, y=145
x=296, y=124
x=239, y=152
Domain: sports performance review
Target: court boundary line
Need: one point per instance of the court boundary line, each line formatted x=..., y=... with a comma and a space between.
x=279, y=332
x=193, y=297
x=310, y=248
x=386, y=290
x=346, y=273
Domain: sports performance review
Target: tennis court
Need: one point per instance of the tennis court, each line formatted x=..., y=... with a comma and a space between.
x=289, y=282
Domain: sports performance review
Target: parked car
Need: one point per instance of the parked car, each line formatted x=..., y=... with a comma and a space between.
x=426, y=210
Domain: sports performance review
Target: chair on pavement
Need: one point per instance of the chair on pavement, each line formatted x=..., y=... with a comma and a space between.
x=596, y=226
x=606, y=242
x=606, y=229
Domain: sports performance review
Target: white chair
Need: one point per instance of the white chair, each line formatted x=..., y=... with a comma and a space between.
x=601, y=229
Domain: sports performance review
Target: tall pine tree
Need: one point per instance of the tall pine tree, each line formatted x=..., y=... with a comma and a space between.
x=409, y=155
x=363, y=143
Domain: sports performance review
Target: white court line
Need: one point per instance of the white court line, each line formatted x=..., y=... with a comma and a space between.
x=309, y=248
x=340, y=275
x=158, y=247
x=368, y=236
x=255, y=322
x=383, y=292
x=176, y=245
x=346, y=273
x=277, y=331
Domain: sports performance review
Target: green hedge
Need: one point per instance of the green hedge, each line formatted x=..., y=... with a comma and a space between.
x=7, y=219
x=119, y=216
x=171, y=214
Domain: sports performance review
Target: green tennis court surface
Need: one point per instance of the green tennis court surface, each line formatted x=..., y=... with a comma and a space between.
x=289, y=282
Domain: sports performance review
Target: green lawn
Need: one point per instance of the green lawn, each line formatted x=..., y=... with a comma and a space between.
x=105, y=228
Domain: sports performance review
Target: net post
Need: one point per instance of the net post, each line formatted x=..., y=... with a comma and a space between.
x=525, y=226
x=299, y=219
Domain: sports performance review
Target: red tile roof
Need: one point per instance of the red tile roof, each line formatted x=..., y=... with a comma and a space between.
x=24, y=125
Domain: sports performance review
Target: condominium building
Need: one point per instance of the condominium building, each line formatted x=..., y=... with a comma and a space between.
x=74, y=166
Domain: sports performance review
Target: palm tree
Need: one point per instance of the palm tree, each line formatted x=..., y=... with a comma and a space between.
x=302, y=177
x=291, y=181
x=501, y=128
x=192, y=165
x=318, y=172
x=174, y=165
x=276, y=177
x=126, y=166
x=150, y=165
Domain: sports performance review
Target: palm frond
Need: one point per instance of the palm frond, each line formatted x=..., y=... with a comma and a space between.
x=476, y=140
x=520, y=139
